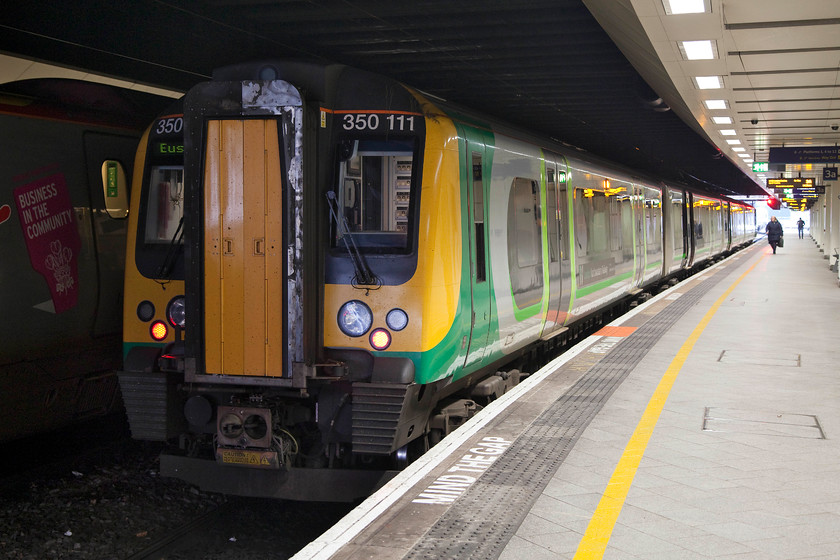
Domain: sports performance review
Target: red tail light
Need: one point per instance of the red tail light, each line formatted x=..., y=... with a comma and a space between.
x=158, y=330
x=380, y=339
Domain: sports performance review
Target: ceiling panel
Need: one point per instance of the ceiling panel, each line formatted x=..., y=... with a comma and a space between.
x=588, y=73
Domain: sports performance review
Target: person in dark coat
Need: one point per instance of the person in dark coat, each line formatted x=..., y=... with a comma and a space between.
x=801, y=225
x=774, y=232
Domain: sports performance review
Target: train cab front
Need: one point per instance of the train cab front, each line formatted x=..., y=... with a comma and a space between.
x=154, y=303
x=289, y=360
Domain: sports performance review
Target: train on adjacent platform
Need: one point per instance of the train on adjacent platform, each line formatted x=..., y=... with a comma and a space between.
x=68, y=149
x=328, y=271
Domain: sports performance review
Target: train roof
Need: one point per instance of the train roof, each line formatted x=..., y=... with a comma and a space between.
x=81, y=101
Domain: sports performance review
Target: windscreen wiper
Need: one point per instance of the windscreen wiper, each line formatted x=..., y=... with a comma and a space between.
x=164, y=271
x=364, y=275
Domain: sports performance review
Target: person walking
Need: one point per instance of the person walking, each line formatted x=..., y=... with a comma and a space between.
x=774, y=232
x=801, y=225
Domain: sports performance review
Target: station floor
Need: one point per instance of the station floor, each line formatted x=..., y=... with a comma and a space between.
x=705, y=424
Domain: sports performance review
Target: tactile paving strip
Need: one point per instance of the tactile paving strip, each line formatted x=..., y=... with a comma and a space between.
x=482, y=521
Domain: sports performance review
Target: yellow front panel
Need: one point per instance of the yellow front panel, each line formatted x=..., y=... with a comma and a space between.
x=431, y=297
x=243, y=256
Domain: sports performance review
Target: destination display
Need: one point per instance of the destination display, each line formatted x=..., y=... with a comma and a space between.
x=805, y=154
x=809, y=193
x=798, y=203
x=792, y=183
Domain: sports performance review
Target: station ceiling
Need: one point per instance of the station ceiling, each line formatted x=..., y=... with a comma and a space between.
x=606, y=76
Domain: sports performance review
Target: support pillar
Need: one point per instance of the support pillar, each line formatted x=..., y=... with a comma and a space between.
x=833, y=225
x=820, y=233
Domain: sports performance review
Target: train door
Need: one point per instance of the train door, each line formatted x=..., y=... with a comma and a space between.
x=558, y=253
x=108, y=160
x=478, y=176
x=640, y=260
x=691, y=229
x=726, y=217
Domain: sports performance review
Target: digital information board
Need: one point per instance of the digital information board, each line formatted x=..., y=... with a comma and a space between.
x=792, y=183
x=805, y=154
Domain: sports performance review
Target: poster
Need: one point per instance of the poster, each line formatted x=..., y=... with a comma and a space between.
x=52, y=238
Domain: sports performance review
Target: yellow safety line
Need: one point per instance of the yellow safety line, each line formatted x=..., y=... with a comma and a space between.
x=600, y=527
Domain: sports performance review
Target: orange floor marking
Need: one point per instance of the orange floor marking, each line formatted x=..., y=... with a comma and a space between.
x=616, y=331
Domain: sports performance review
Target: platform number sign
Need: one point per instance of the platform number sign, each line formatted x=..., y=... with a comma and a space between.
x=829, y=173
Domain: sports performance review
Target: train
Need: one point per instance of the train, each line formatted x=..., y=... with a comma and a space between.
x=328, y=271
x=68, y=150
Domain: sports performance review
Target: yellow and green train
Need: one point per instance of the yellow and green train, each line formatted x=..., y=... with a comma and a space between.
x=327, y=269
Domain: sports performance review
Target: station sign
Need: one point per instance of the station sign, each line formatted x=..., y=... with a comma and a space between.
x=792, y=183
x=805, y=154
x=760, y=167
x=829, y=173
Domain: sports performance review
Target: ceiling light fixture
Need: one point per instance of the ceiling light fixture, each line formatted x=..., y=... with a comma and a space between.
x=708, y=82
x=698, y=50
x=734, y=142
x=715, y=104
x=676, y=7
x=722, y=120
x=728, y=132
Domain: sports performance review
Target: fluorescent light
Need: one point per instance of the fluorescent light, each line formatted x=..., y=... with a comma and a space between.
x=676, y=7
x=722, y=120
x=698, y=50
x=739, y=149
x=745, y=156
x=715, y=104
x=708, y=82
x=728, y=132
x=734, y=142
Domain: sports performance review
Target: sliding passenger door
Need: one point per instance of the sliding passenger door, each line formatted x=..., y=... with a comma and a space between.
x=639, y=231
x=558, y=251
x=477, y=175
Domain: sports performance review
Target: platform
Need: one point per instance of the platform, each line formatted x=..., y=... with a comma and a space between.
x=704, y=424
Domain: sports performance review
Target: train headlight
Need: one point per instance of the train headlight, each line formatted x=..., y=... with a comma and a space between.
x=158, y=330
x=380, y=339
x=354, y=318
x=396, y=319
x=175, y=312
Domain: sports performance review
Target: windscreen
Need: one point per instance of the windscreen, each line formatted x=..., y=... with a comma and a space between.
x=375, y=193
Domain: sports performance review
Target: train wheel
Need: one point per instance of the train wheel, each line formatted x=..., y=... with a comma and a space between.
x=410, y=452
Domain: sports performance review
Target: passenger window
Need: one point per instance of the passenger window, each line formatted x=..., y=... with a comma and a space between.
x=619, y=216
x=553, y=215
x=478, y=218
x=165, y=206
x=581, y=225
x=115, y=189
x=526, y=221
x=375, y=192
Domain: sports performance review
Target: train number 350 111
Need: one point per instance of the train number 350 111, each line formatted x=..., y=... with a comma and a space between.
x=372, y=121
